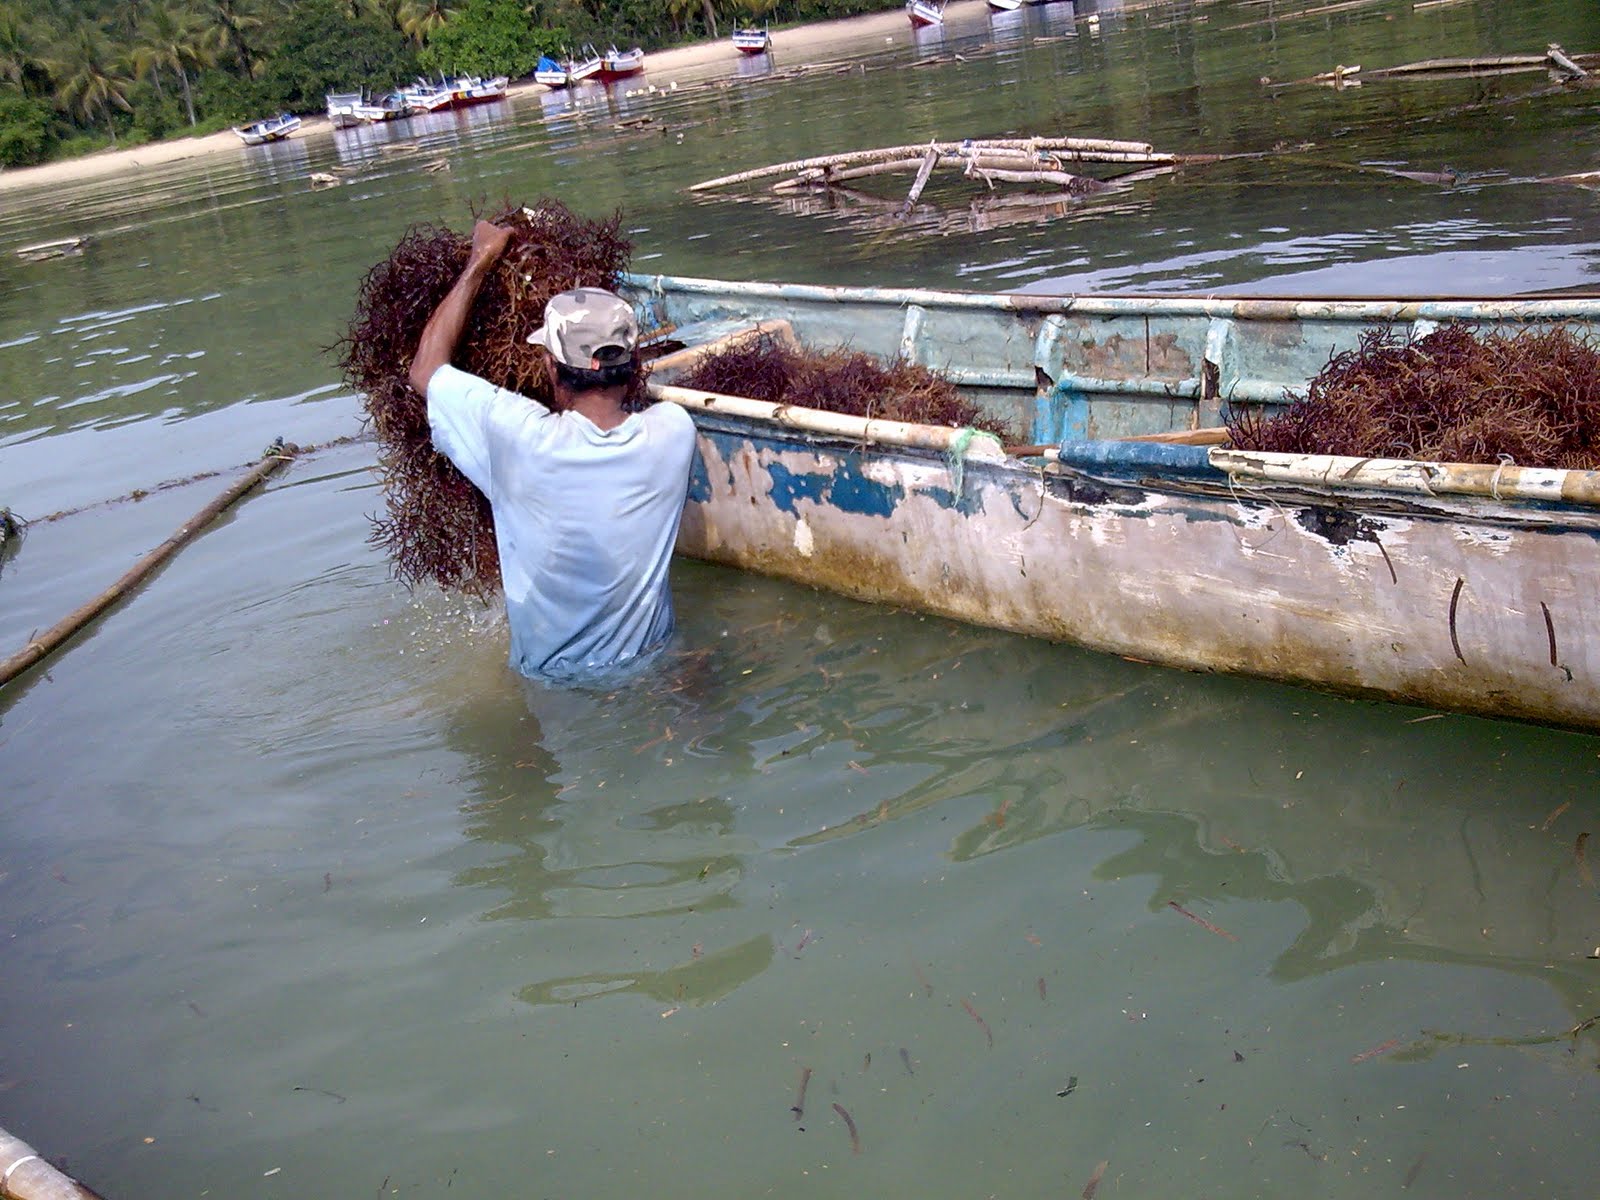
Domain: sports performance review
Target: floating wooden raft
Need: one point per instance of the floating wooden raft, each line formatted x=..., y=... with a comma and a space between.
x=1008, y=160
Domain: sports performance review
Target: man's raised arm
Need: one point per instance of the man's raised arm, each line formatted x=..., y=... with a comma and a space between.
x=443, y=330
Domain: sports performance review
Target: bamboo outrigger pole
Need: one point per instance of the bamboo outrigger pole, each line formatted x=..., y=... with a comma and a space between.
x=26, y=1176
x=43, y=644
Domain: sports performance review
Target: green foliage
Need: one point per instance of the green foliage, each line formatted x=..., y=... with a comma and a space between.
x=26, y=129
x=229, y=97
x=489, y=37
x=324, y=49
x=156, y=113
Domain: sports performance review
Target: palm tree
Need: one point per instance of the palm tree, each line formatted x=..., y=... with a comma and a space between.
x=88, y=80
x=19, y=58
x=419, y=18
x=172, y=39
x=230, y=21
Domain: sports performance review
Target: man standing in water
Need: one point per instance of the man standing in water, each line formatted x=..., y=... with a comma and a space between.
x=586, y=497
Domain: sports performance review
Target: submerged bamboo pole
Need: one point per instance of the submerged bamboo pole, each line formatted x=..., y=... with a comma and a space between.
x=1068, y=146
x=26, y=1176
x=42, y=645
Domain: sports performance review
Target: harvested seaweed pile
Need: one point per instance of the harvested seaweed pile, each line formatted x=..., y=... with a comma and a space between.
x=844, y=381
x=437, y=525
x=1531, y=398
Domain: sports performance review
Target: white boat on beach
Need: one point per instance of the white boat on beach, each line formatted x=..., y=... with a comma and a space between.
x=273, y=129
x=924, y=13
x=551, y=73
x=388, y=108
x=752, y=41
x=587, y=67
x=342, y=108
x=619, y=64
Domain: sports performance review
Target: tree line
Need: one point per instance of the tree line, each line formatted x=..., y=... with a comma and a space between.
x=78, y=75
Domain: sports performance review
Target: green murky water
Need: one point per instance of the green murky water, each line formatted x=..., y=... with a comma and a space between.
x=304, y=894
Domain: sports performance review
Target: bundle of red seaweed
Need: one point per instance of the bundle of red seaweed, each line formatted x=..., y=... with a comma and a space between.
x=842, y=380
x=437, y=527
x=1530, y=397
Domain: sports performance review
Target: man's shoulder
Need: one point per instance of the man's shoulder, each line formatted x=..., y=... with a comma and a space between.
x=666, y=415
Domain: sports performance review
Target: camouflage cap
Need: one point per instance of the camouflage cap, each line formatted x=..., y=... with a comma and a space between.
x=588, y=328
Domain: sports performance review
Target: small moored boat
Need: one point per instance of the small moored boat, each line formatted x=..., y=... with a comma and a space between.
x=426, y=96
x=587, y=67
x=924, y=13
x=342, y=108
x=387, y=108
x=551, y=73
x=274, y=129
x=752, y=41
x=1004, y=5
x=1126, y=525
x=619, y=64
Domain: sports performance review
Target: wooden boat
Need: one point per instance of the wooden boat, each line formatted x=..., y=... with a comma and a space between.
x=550, y=72
x=342, y=108
x=619, y=64
x=472, y=90
x=586, y=67
x=1449, y=585
x=751, y=41
x=387, y=108
x=426, y=96
x=273, y=129
x=924, y=13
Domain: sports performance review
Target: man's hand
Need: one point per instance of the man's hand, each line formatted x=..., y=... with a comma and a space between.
x=489, y=241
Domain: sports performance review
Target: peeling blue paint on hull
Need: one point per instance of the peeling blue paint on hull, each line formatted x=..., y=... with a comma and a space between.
x=1475, y=606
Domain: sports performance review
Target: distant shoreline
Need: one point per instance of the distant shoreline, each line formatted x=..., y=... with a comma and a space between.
x=700, y=60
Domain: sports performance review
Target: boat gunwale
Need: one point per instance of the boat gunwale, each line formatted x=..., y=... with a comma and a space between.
x=1242, y=308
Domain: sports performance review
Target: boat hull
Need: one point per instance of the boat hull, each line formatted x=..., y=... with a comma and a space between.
x=620, y=65
x=260, y=133
x=1455, y=587
x=747, y=41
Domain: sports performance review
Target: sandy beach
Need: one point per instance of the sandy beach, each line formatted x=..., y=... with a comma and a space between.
x=807, y=44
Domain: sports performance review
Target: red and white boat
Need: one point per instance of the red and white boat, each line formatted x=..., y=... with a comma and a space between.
x=752, y=41
x=429, y=97
x=924, y=13
x=619, y=64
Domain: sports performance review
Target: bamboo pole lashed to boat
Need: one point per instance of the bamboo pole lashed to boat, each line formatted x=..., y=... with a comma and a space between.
x=42, y=645
x=973, y=444
x=26, y=1176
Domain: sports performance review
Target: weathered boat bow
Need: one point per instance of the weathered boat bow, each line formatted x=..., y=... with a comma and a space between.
x=1456, y=586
